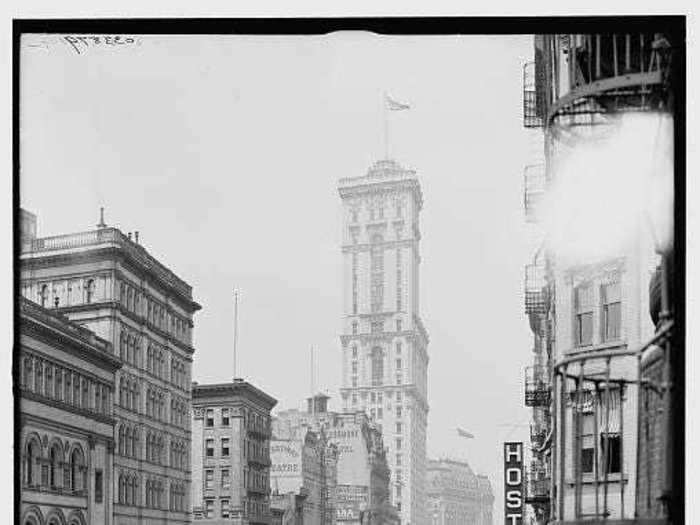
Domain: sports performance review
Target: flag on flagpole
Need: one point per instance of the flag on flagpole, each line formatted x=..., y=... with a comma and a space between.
x=463, y=433
x=393, y=105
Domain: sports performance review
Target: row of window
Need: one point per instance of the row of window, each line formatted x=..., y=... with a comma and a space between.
x=610, y=318
x=129, y=445
x=54, y=470
x=375, y=210
x=129, y=493
x=53, y=381
x=225, y=447
x=224, y=479
x=224, y=508
x=376, y=327
x=129, y=398
x=157, y=314
x=130, y=344
x=77, y=292
x=399, y=397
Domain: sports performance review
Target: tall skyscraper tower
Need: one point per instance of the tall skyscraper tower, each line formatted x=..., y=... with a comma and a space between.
x=384, y=343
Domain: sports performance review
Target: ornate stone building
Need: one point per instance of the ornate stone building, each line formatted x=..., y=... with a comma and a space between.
x=457, y=496
x=361, y=491
x=384, y=342
x=231, y=453
x=304, y=469
x=108, y=282
x=64, y=389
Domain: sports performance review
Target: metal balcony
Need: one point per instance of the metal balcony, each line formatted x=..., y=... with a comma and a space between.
x=593, y=391
x=532, y=111
x=537, y=387
x=536, y=296
x=535, y=185
x=603, y=73
x=538, y=436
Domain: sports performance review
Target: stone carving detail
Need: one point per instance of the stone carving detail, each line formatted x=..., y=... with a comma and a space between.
x=198, y=413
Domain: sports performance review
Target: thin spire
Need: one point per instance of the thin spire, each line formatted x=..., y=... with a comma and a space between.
x=235, y=333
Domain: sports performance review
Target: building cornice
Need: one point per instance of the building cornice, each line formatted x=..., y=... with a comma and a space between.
x=54, y=328
x=109, y=242
x=203, y=394
x=32, y=396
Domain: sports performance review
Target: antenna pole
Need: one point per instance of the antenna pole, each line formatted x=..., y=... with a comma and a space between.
x=386, y=127
x=235, y=332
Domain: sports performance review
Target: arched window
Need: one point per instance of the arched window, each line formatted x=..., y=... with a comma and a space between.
x=121, y=440
x=130, y=349
x=28, y=373
x=77, y=479
x=377, y=366
x=30, y=457
x=122, y=489
x=128, y=443
x=39, y=378
x=122, y=346
x=135, y=490
x=54, y=457
x=44, y=295
x=90, y=291
x=377, y=273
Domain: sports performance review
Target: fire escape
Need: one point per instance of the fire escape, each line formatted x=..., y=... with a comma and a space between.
x=585, y=80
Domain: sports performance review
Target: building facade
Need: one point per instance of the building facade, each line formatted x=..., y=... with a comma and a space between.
x=106, y=281
x=304, y=465
x=456, y=495
x=64, y=389
x=384, y=343
x=362, y=490
x=604, y=103
x=231, y=433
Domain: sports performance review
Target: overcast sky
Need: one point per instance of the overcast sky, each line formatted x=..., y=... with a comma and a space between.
x=225, y=152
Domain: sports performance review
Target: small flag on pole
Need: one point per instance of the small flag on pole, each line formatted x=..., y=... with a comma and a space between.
x=393, y=105
x=463, y=433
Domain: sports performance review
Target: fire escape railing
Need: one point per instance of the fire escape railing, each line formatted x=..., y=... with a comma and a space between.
x=535, y=187
x=595, y=393
x=536, y=296
x=532, y=112
x=599, y=73
x=537, y=386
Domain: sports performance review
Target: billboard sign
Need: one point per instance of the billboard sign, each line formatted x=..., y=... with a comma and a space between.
x=513, y=480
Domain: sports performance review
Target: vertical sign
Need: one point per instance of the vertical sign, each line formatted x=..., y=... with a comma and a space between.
x=513, y=479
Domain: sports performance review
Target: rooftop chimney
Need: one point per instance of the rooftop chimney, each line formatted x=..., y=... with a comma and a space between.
x=136, y=235
x=129, y=235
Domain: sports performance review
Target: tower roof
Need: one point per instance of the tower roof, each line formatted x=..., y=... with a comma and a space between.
x=383, y=174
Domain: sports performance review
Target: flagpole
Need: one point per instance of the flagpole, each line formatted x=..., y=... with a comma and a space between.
x=386, y=127
x=235, y=330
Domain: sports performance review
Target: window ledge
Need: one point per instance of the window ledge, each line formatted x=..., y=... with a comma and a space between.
x=589, y=480
x=592, y=349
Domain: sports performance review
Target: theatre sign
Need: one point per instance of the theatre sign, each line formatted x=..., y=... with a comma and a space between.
x=513, y=479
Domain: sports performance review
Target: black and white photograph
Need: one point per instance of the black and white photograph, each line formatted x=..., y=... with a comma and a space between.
x=370, y=271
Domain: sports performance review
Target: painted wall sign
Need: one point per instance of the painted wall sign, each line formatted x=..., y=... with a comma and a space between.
x=513, y=480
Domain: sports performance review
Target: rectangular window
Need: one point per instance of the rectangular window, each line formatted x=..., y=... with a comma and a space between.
x=210, y=448
x=398, y=364
x=373, y=397
x=226, y=479
x=208, y=479
x=398, y=397
x=398, y=325
x=354, y=381
x=398, y=428
x=583, y=304
x=225, y=512
x=210, y=418
x=611, y=311
x=354, y=328
x=224, y=417
x=354, y=397
x=354, y=367
x=380, y=413
x=398, y=348
x=225, y=450
x=98, y=486
x=209, y=508
x=398, y=460
x=398, y=443
x=354, y=352
x=613, y=442
x=398, y=493
x=587, y=450
x=377, y=327
x=399, y=378
x=399, y=412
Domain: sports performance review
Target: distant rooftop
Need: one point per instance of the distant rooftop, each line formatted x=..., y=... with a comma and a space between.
x=381, y=172
x=236, y=388
x=100, y=238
